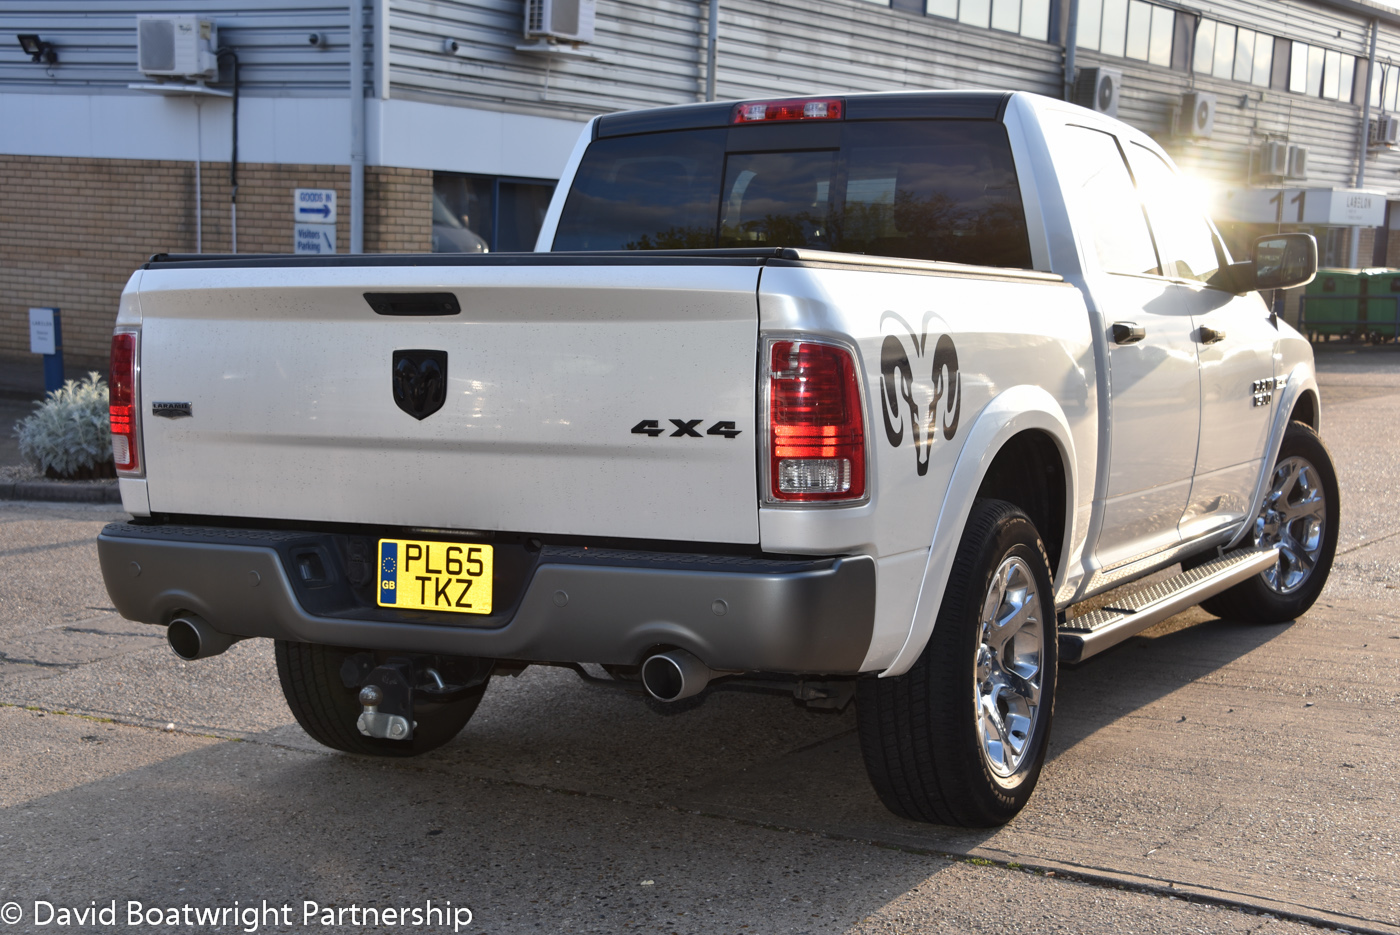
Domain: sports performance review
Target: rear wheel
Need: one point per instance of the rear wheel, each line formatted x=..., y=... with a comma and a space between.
x=1299, y=519
x=961, y=737
x=328, y=709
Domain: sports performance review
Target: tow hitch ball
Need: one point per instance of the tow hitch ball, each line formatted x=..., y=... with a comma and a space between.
x=386, y=700
x=387, y=690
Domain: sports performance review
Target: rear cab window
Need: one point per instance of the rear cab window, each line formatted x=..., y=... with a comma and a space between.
x=930, y=189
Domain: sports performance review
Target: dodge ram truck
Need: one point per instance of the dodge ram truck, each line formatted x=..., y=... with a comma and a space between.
x=857, y=397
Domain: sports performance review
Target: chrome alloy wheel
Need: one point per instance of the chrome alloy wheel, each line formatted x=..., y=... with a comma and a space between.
x=1007, y=678
x=1293, y=520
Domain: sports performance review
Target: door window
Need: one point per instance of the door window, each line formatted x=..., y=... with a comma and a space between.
x=1184, y=239
x=1096, y=180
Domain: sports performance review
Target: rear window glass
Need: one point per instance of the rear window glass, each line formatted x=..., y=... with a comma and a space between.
x=924, y=189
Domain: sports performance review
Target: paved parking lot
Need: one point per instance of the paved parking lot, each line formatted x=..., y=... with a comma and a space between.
x=1206, y=776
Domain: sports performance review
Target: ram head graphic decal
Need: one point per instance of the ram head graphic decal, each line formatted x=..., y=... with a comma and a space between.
x=920, y=392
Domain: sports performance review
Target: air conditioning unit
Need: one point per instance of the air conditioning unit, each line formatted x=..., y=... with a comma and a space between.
x=1297, y=162
x=1098, y=89
x=1197, y=118
x=569, y=20
x=1384, y=131
x=177, y=47
x=1273, y=159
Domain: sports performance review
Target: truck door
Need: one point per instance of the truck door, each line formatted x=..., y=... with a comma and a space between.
x=1234, y=338
x=1153, y=412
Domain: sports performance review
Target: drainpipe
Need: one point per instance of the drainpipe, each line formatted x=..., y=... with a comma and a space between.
x=712, y=51
x=1353, y=259
x=357, y=126
x=1071, y=40
x=198, y=160
x=381, y=51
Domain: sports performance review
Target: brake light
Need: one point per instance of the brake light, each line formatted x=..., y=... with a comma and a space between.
x=816, y=439
x=123, y=404
x=822, y=108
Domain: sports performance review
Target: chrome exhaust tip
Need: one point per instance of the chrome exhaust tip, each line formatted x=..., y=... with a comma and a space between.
x=674, y=675
x=191, y=637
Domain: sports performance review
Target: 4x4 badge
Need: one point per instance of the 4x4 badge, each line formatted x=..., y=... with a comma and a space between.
x=420, y=381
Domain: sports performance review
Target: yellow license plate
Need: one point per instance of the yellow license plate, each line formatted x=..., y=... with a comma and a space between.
x=448, y=576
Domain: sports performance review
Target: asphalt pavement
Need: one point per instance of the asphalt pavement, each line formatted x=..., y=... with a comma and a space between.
x=1206, y=776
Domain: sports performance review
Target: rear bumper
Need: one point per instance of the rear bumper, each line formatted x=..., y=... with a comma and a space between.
x=575, y=605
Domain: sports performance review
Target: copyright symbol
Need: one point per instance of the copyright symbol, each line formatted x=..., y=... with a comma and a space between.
x=10, y=913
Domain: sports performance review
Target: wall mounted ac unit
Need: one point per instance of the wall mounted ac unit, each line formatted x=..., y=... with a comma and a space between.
x=1297, y=162
x=1197, y=118
x=177, y=46
x=1273, y=159
x=1098, y=89
x=1384, y=131
x=570, y=20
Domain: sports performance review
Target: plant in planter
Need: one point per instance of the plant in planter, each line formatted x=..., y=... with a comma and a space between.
x=68, y=436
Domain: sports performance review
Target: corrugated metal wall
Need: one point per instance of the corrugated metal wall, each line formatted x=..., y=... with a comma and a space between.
x=96, y=43
x=653, y=53
x=649, y=53
x=1247, y=115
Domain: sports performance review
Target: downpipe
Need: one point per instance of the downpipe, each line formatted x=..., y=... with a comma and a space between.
x=674, y=675
x=191, y=637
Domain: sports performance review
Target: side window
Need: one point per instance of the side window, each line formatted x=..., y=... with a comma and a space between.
x=1184, y=239
x=1097, y=183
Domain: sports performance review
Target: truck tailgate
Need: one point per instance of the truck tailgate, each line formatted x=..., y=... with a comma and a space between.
x=289, y=377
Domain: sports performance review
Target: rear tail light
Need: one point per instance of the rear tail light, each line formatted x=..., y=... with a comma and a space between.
x=823, y=108
x=123, y=405
x=816, y=428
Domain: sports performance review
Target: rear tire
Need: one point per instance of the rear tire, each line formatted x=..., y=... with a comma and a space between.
x=1299, y=516
x=327, y=709
x=961, y=737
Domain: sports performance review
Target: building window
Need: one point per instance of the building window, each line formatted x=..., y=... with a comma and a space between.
x=486, y=213
x=1319, y=72
x=1029, y=18
x=1128, y=29
x=1234, y=53
x=1385, y=83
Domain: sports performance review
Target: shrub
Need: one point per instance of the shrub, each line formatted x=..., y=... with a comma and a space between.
x=68, y=436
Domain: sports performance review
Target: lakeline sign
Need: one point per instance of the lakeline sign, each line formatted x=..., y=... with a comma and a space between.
x=1325, y=207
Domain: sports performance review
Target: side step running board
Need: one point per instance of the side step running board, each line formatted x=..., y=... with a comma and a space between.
x=1092, y=633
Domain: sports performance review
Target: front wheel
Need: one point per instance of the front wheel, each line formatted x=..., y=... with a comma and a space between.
x=1298, y=518
x=961, y=737
x=327, y=708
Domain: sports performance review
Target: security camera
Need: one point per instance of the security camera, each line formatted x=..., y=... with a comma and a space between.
x=450, y=46
x=318, y=39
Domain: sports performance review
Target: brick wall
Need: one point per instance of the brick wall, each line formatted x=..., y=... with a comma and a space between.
x=1365, y=252
x=72, y=231
x=398, y=210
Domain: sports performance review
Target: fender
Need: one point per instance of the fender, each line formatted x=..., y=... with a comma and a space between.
x=1011, y=412
x=1299, y=380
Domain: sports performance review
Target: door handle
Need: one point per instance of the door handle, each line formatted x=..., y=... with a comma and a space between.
x=1128, y=332
x=1211, y=336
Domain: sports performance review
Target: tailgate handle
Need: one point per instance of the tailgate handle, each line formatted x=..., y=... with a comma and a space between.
x=413, y=303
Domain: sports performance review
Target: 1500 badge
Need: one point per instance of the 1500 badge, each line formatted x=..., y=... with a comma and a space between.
x=684, y=428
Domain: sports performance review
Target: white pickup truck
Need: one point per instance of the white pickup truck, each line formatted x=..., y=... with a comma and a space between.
x=850, y=396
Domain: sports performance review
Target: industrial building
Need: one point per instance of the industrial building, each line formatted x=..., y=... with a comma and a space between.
x=134, y=128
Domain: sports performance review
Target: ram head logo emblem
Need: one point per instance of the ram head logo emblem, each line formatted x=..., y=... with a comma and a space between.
x=918, y=389
x=420, y=382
